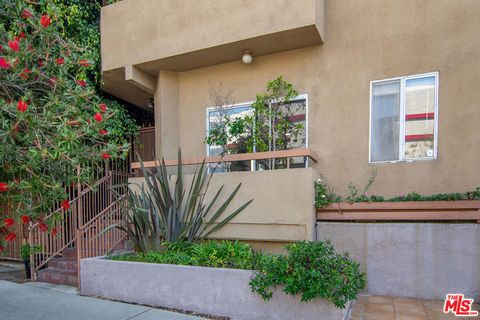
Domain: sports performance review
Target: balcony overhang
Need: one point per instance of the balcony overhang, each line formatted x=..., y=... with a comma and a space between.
x=141, y=37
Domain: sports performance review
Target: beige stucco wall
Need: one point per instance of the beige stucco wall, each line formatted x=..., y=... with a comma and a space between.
x=142, y=31
x=367, y=40
x=362, y=41
x=282, y=209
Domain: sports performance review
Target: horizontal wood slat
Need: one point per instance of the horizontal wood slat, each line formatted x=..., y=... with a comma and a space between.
x=402, y=211
x=303, y=152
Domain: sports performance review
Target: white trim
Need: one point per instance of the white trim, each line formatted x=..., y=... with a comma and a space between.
x=403, y=81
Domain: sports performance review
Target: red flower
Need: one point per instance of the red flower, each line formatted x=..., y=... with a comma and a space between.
x=26, y=14
x=54, y=232
x=20, y=36
x=65, y=204
x=41, y=63
x=105, y=155
x=10, y=237
x=42, y=226
x=25, y=219
x=59, y=61
x=103, y=107
x=84, y=63
x=22, y=106
x=98, y=117
x=3, y=186
x=103, y=132
x=81, y=83
x=14, y=45
x=9, y=222
x=4, y=64
x=45, y=21
x=24, y=74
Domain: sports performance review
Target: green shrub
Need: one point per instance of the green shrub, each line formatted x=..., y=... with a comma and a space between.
x=313, y=270
x=223, y=254
x=324, y=195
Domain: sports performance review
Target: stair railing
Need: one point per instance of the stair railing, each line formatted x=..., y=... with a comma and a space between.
x=86, y=205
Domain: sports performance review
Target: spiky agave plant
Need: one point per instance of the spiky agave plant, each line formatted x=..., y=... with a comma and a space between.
x=164, y=209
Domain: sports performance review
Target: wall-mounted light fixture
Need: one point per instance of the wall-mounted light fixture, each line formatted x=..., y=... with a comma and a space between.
x=150, y=104
x=247, y=56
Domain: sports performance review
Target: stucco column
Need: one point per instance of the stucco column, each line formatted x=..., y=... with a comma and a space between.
x=166, y=115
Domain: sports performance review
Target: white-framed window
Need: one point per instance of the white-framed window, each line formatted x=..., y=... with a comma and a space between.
x=404, y=118
x=297, y=107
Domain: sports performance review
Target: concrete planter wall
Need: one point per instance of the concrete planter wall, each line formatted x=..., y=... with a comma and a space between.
x=214, y=291
x=424, y=260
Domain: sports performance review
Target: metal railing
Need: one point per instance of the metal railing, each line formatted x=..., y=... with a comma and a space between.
x=98, y=236
x=279, y=154
x=89, y=205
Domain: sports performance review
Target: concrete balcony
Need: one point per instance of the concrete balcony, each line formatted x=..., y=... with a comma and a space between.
x=141, y=37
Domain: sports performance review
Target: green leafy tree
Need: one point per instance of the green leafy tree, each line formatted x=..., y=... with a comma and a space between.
x=51, y=120
x=268, y=128
x=78, y=21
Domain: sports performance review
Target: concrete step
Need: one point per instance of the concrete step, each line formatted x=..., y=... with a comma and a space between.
x=63, y=264
x=68, y=278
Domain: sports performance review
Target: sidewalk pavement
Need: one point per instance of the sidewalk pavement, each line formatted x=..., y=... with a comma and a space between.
x=29, y=302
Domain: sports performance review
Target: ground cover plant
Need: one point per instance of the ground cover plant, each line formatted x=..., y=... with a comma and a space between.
x=324, y=196
x=307, y=269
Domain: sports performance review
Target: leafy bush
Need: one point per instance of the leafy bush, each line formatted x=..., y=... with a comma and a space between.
x=313, y=270
x=223, y=254
x=324, y=196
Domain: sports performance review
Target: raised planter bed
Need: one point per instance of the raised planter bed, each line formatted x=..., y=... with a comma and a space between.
x=213, y=291
x=464, y=210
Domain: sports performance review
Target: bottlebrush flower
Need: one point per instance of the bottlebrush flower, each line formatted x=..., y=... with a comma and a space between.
x=4, y=64
x=10, y=237
x=84, y=63
x=9, y=222
x=65, y=204
x=20, y=36
x=59, y=61
x=98, y=117
x=45, y=21
x=3, y=186
x=81, y=83
x=14, y=45
x=103, y=107
x=42, y=226
x=105, y=155
x=25, y=219
x=22, y=106
x=103, y=132
x=41, y=63
x=54, y=232
x=26, y=14
x=25, y=73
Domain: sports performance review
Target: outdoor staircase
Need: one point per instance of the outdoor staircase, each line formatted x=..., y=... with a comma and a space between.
x=83, y=233
x=61, y=270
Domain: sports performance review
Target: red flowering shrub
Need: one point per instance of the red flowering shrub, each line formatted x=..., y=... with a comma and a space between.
x=51, y=120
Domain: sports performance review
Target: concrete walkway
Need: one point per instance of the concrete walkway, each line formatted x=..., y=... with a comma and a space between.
x=27, y=302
